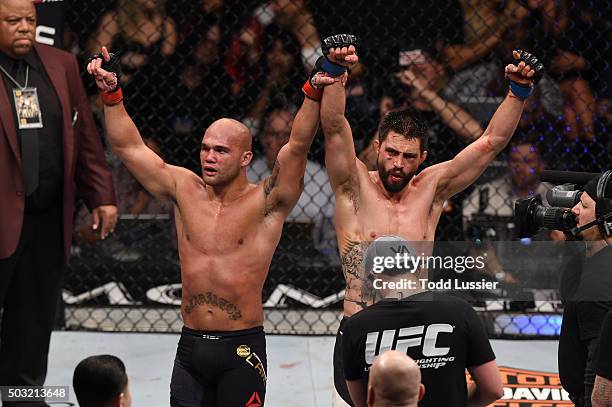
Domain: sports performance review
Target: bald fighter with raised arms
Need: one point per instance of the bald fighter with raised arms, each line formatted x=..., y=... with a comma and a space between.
x=395, y=200
x=227, y=231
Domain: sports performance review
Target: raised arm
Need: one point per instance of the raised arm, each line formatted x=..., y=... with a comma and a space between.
x=148, y=168
x=284, y=186
x=340, y=156
x=457, y=174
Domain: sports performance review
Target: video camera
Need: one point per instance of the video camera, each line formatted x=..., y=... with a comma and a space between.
x=531, y=215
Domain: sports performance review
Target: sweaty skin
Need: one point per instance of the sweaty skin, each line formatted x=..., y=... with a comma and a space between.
x=412, y=214
x=407, y=206
x=225, y=251
x=227, y=228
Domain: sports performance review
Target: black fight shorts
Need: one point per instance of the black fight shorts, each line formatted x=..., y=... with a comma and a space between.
x=222, y=369
x=339, y=381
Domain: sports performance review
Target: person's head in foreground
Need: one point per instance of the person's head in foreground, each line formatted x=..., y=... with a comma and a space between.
x=395, y=380
x=225, y=152
x=400, y=149
x=101, y=381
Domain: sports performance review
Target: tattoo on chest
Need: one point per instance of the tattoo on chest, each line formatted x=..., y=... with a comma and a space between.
x=359, y=287
x=212, y=300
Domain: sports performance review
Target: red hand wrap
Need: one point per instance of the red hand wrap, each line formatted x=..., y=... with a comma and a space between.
x=312, y=92
x=111, y=98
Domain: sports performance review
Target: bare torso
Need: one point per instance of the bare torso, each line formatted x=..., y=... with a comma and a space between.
x=225, y=251
x=412, y=214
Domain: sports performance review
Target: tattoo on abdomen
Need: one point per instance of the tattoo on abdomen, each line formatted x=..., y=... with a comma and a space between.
x=359, y=288
x=211, y=299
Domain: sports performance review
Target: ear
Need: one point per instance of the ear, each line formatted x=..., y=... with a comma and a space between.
x=421, y=391
x=423, y=157
x=247, y=156
x=119, y=400
x=376, y=146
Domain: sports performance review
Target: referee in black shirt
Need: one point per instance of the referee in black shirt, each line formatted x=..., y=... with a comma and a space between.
x=442, y=333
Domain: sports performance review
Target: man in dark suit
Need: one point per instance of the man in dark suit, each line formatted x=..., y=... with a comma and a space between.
x=50, y=150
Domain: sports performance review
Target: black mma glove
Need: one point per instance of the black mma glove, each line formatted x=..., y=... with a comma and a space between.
x=112, y=65
x=336, y=41
x=523, y=91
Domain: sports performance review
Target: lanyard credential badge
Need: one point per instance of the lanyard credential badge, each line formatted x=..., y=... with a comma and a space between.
x=27, y=108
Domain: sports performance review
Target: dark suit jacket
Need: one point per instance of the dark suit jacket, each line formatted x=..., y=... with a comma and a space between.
x=85, y=169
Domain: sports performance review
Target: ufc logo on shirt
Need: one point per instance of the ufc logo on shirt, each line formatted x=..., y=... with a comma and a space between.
x=404, y=338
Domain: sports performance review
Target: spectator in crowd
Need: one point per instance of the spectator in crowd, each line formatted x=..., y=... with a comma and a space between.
x=247, y=46
x=44, y=166
x=146, y=37
x=456, y=335
x=101, y=381
x=316, y=202
x=279, y=80
x=395, y=381
x=141, y=30
x=496, y=198
x=469, y=53
x=201, y=94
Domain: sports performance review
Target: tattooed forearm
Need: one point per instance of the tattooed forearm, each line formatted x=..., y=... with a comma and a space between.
x=211, y=299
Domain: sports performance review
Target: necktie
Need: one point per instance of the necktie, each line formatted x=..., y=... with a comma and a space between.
x=29, y=142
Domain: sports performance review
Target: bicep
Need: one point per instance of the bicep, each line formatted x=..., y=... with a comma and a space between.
x=465, y=168
x=284, y=186
x=156, y=176
x=340, y=156
x=487, y=377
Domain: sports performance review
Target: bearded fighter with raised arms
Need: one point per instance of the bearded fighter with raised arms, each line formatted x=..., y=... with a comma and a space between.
x=395, y=200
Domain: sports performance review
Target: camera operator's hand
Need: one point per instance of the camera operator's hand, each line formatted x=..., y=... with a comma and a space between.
x=556, y=236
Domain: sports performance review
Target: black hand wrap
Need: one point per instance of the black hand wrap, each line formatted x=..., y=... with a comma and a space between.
x=112, y=65
x=336, y=41
x=533, y=62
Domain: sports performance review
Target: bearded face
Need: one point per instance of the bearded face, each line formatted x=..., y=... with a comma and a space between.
x=398, y=160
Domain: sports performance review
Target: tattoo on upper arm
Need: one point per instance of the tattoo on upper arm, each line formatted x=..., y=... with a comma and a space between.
x=269, y=184
x=211, y=299
x=272, y=180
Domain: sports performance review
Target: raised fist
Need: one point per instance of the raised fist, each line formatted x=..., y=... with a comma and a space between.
x=341, y=49
x=527, y=72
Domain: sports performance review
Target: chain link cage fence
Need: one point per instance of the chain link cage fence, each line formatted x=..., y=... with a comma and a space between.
x=187, y=63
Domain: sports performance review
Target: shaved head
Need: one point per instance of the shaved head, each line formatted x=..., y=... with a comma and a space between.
x=236, y=134
x=395, y=380
x=226, y=152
